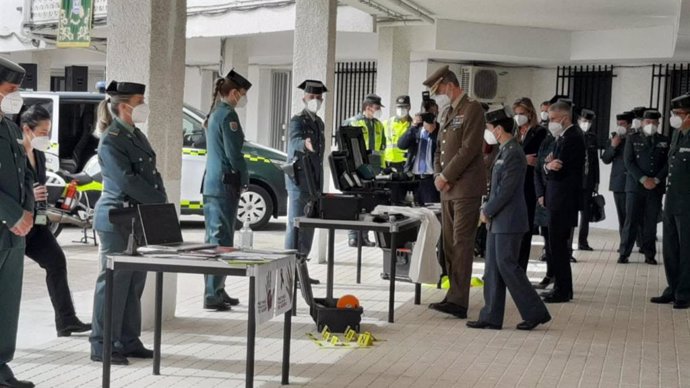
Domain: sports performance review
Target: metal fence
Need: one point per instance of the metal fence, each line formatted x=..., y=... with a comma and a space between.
x=590, y=88
x=353, y=81
x=280, y=108
x=668, y=81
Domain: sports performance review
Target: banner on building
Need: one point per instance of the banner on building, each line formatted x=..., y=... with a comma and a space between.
x=76, y=21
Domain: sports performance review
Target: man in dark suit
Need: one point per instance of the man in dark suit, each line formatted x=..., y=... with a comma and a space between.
x=613, y=154
x=505, y=213
x=590, y=177
x=563, y=195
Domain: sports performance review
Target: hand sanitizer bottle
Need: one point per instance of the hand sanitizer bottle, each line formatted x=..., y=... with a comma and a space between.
x=246, y=235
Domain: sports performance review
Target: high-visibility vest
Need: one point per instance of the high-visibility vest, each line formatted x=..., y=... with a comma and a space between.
x=394, y=129
x=358, y=121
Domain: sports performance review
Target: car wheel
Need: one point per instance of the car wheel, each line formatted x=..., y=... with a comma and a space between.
x=257, y=204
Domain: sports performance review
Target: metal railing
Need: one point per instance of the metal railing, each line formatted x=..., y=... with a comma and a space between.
x=668, y=81
x=353, y=81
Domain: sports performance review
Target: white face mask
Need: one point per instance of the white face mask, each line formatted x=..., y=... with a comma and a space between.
x=242, y=102
x=313, y=105
x=675, y=121
x=621, y=130
x=520, y=120
x=41, y=143
x=585, y=125
x=555, y=128
x=140, y=113
x=11, y=103
x=489, y=137
x=401, y=112
x=637, y=123
x=442, y=100
x=649, y=129
x=377, y=114
x=544, y=116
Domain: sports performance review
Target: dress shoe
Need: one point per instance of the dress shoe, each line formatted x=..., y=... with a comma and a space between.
x=584, y=247
x=222, y=306
x=663, y=299
x=529, y=325
x=573, y=259
x=14, y=383
x=75, y=327
x=116, y=358
x=543, y=283
x=482, y=325
x=433, y=305
x=650, y=260
x=681, y=304
x=450, y=308
x=141, y=352
x=556, y=298
x=623, y=260
x=229, y=300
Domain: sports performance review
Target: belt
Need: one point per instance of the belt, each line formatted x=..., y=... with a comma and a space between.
x=424, y=176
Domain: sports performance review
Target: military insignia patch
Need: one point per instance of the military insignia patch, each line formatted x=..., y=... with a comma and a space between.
x=457, y=121
x=684, y=149
x=234, y=126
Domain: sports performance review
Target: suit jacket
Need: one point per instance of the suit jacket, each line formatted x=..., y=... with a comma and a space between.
x=305, y=126
x=506, y=205
x=564, y=187
x=645, y=156
x=619, y=174
x=459, y=151
x=590, y=178
x=530, y=145
x=410, y=141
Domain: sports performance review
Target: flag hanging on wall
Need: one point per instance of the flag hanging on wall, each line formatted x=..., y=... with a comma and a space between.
x=76, y=21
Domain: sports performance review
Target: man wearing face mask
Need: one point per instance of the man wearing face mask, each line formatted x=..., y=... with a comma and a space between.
x=16, y=217
x=461, y=179
x=613, y=154
x=677, y=209
x=590, y=179
x=306, y=139
x=563, y=170
x=130, y=178
x=638, y=112
x=646, y=159
x=375, y=143
x=395, y=127
x=226, y=177
x=544, y=113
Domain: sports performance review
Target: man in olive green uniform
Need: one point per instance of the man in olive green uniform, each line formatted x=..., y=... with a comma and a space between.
x=16, y=217
x=225, y=180
x=677, y=209
x=461, y=179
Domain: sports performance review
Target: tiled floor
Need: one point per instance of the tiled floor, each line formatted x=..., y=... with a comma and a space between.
x=610, y=335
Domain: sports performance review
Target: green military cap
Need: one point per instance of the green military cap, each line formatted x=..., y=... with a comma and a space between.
x=11, y=72
x=124, y=88
x=312, y=86
x=435, y=78
x=651, y=114
x=373, y=99
x=497, y=115
x=238, y=80
x=681, y=102
x=587, y=114
x=402, y=101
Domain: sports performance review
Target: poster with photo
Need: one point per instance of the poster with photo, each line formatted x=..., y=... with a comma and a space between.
x=285, y=282
x=265, y=292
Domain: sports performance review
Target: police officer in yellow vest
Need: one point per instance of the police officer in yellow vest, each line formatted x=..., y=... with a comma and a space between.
x=374, y=139
x=16, y=216
x=394, y=129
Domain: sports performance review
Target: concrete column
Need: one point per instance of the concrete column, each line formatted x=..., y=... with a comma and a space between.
x=393, y=67
x=146, y=44
x=235, y=56
x=43, y=60
x=314, y=58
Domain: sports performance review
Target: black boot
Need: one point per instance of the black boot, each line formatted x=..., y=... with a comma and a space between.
x=73, y=326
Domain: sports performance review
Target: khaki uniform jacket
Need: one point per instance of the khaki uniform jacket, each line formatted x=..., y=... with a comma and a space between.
x=459, y=152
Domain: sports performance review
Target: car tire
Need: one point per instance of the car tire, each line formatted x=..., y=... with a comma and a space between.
x=259, y=203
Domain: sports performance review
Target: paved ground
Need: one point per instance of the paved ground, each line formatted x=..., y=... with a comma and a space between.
x=608, y=336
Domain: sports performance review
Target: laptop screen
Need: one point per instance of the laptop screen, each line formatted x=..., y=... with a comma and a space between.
x=160, y=224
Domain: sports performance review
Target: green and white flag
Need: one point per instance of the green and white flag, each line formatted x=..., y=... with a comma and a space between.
x=76, y=19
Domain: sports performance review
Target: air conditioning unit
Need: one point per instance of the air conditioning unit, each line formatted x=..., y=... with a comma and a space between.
x=480, y=83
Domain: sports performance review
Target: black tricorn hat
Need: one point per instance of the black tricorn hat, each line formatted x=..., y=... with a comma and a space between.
x=240, y=81
x=587, y=114
x=313, y=86
x=558, y=97
x=124, y=88
x=373, y=99
x=496, y=115
x=402, y=101
x=652, y=114
x=11, y=72
x=681, y=102
x=638, y=111
x=627, y=116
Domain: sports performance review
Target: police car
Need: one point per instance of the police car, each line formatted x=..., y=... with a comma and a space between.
x=73, y=146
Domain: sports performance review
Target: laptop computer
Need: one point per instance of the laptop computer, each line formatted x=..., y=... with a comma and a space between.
x=161, y=229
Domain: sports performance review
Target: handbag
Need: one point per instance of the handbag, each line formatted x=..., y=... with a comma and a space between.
x=597, y=203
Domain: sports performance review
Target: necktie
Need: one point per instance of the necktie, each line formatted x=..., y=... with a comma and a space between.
x=423, y=140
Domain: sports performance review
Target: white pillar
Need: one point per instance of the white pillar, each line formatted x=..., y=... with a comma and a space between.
x=43, y=60
x=314, y=58
x=146, y=44
x=235, y=56
x=392, y=67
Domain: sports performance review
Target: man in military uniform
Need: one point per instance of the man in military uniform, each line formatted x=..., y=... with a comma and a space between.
x=16, y=217
x=590, y=179
x=461, y=179
x=375, y=143
x=394, y=129
x=613, y=154
x=306, y=141
x=646, y=156
x=505, y=214
x=677, y=209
